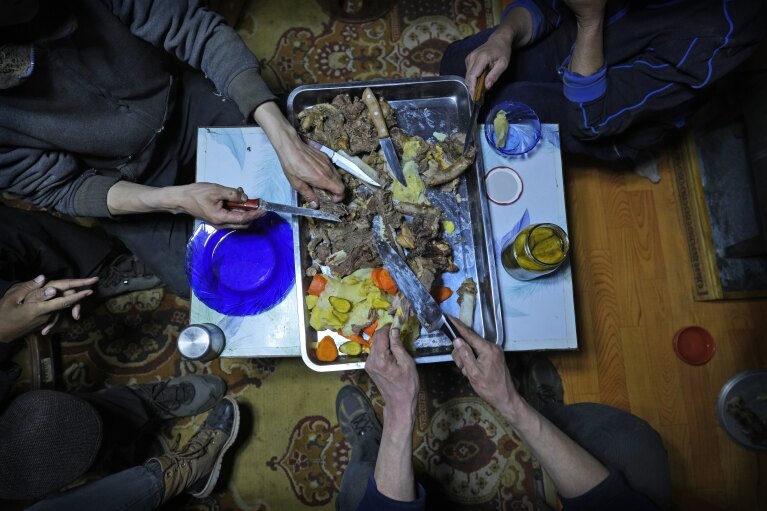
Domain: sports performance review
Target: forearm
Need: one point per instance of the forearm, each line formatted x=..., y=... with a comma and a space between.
x=394, y=466
x=277, y=128
x=126, y=198
x=588, y=54
x=516, y=28
x=573, y=470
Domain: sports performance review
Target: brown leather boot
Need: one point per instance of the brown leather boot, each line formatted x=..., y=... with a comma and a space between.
x=196, y=466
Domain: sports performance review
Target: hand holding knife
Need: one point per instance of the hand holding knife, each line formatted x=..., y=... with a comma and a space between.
x=477, y=98
x=343, y=162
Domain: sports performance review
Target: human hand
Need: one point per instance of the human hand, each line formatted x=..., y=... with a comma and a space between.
x=587, y=12
x=487, y=371
x=307, y=168
x=27, y=306
x=304, y=166
x=495, y=54
x=206, y=202
x=393, y=370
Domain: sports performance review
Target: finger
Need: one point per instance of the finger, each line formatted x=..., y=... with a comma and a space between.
x=456, y=358
x=466, y=359
x=41, y=295
x=470, y=79
x=396, y=347
x=47, y=328
x=479, y=65
x=471, y=338
x=305, y=191
x=231, y=194
x=325, y=177
x=495, y=72
x=69, y=284
x=242, y=219
x=22, y=290
x=381, y=342
x=75, y=308
x=63, y=302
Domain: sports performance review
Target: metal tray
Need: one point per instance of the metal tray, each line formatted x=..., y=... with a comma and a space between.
x=423, y=106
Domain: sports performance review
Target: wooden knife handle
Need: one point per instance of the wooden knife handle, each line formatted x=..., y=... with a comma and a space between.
x=479, y=88
x=247, y=205
x=374, y=109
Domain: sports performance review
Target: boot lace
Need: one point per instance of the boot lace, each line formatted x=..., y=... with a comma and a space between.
x=362, y=424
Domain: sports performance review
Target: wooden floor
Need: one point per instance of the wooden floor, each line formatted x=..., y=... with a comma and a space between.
x=633, y=292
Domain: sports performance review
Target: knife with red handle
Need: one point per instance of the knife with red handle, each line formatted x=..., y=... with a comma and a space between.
x=260, y=204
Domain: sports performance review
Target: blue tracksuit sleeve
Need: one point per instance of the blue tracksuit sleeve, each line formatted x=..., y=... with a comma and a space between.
x=373, y=500
x=670, y=72
x=545, y=13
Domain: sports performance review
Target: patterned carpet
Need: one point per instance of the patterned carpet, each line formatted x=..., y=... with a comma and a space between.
x=291, y=454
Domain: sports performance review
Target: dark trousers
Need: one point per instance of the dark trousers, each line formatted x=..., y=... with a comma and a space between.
x=614, y=437
x=136, y=488
x=35, y=242
x=532, y=78
x=160, y=239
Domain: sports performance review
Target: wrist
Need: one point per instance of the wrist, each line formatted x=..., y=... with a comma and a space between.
x=170, y=199
x=399, y=418
x=277, y=128
x=513, y=408
x=504, y=35
x=590, y=25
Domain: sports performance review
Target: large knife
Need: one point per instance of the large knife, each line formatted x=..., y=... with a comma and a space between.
x=281, y=208
x=477, y=98
x=426, y=308
x=343, y=162
x=383, y=135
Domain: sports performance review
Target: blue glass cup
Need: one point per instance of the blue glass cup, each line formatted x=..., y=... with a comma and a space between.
x=524, y=128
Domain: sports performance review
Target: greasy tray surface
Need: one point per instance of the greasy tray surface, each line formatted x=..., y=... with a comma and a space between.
x=423, y=106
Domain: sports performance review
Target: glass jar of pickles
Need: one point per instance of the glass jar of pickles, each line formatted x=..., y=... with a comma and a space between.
x=537, y=250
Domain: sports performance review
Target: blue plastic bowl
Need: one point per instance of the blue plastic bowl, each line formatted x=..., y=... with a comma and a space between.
x=524, y=128
x=242, y=272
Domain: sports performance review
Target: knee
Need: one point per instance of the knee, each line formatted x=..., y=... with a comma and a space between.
x=453, y=60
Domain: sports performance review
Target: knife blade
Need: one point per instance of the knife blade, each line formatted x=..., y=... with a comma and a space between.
x=477, y=98
x=383, y=135
x=343, y=162
x=281, y=208
x=425, y=306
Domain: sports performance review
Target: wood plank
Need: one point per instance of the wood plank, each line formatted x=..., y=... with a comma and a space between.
x=626, y=281
x=639, y=381
x=612, y=378
x=649, y=260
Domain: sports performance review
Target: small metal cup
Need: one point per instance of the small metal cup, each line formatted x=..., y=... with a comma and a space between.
x=203, y=342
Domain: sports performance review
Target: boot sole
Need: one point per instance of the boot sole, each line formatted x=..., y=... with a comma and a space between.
x=213, y=478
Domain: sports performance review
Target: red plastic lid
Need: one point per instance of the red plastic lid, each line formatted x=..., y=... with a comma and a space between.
x=694, y=345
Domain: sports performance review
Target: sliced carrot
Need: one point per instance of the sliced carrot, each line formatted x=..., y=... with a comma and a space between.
x=317, y=285
x=441, y=293
x=327, y=350
x=370, y=330
x=383, y=280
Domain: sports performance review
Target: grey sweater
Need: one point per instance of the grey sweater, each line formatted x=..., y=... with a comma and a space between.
x=90, y=113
